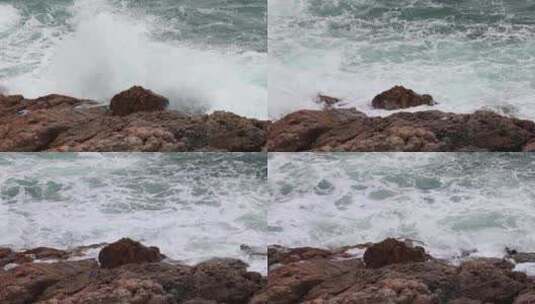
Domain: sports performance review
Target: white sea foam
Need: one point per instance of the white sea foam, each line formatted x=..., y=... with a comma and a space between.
x=9, y=16
x=453, y=203
x=112, y=48
x=192, y=206
x=335, y=48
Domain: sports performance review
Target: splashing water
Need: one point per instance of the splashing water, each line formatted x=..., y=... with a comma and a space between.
x=203, y=55
x=468, y=54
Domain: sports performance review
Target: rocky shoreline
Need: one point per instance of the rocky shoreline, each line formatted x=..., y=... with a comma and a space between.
x=388, y=272
x=136, y=120
x=337, y=129
x=391, y=271
x=126, y=272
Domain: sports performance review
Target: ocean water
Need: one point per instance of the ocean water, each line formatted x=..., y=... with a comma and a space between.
x=204, y=55
x=192, y=206
x=455, y=204
x=468, y=54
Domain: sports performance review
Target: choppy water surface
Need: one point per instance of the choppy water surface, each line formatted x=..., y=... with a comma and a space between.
x=193, y=206
x=453, y=203
x=468, y=54
x=202, y=54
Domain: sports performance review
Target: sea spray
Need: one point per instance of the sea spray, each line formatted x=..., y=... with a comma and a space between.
x=94, y=49
x=469, y=55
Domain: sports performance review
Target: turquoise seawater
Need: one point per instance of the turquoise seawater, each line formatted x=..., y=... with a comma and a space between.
x=201, y=54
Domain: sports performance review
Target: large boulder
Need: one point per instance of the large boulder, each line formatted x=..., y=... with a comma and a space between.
x=137, y=99
x=127, y=251
x=399, y=97
x=392, y=251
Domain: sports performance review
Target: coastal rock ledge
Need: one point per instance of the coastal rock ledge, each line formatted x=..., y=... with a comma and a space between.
x=405, y=274
x=139, y=277
x=137, y=120
x=426, y=131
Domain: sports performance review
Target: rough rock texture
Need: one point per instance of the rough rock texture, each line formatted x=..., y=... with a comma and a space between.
x=127, y=251
x=84, y=282
x=332, y=278
x=399, y=97
x=392, y=251
x=61, y=123
x=351, y=130
x=137, y=99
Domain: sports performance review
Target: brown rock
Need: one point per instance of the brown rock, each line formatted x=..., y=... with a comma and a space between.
x=137, y=99
x=65, y=124
x=526, y=298
x=399, y=97
x=127, y=251
x=47, y=253
x=392, y=251
x=72, y=282
x=333, y=280
x=426, y=131
x=26, y=283
x=283, y=255
x=8, y=256
x=490, y=280
x=529, y=147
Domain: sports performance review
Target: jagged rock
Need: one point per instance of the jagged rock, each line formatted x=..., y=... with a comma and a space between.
x=283, y=255
x=137, y=99
x=490, y=280
x=392, y=251
x=25, y=284
x=327, y=101
x=399, y=97
x=127, y=251
x=66, y=124
x=526, y=298
x=330, y=279
x=8, y=256
x=426, y=131
x=47, y=253
x=217, y=281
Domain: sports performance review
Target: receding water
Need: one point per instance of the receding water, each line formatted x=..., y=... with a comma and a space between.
x=468, y=54
x=453, y=203
x=193, y=206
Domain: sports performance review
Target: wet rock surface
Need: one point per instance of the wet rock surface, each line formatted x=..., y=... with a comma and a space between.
x=425, y=131
x=127, y=251
x=140, y=281
x=137, y=122
x=399, y=97
x=392, y=251
x=406, y=275
x=137, y=99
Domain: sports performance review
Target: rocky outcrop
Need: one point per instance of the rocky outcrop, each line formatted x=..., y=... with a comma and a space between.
x=399, y=97
x=141, y=282
x=127, y=251
x=406, y=275
x=426, y=131
x=392, y=251
x=62, y=123
x=137, y=99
